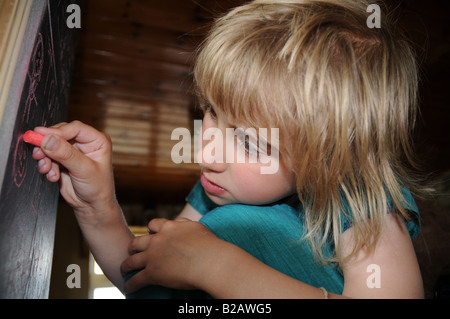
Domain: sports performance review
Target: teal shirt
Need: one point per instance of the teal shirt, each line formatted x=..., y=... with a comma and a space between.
x=273, y=234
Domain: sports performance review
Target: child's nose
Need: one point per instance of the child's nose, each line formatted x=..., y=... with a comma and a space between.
x=213, y=166
x=212, y=155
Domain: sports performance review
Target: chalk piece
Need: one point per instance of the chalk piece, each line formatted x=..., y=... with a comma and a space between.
x=33, y=138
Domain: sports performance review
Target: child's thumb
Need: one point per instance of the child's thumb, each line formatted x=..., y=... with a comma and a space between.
x=61, y=151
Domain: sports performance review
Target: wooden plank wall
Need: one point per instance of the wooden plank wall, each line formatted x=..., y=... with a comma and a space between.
x=132, y=80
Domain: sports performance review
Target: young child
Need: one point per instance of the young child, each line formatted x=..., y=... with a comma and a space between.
x=335, y=219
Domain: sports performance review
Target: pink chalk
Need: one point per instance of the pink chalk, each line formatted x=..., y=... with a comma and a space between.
x=33, y=138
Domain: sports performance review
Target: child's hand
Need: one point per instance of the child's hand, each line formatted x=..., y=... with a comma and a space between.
x=85, y=175
x=177, y=255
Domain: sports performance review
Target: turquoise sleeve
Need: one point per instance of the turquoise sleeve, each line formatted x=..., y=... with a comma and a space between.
x=274, y=235
x=199, y=200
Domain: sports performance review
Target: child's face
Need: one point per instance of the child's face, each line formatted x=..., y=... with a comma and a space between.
x=227, y=180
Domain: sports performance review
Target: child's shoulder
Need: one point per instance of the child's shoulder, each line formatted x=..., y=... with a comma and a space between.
x=407, y=202
x=279, y=217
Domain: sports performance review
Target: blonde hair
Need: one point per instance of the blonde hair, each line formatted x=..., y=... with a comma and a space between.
x=342, y=94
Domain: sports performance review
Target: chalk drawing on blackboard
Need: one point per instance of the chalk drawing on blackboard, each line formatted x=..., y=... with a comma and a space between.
x=37, y=63
x=53, y=104
x=28, y=202
x=52, y=48
x=20, y=162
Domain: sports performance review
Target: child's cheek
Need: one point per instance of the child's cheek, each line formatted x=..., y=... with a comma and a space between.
x=250, y=184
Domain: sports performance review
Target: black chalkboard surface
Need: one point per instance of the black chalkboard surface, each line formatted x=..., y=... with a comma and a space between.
x=28, y=202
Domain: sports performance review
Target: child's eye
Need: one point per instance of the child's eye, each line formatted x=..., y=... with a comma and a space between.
x=208, y=108
x=249, y=146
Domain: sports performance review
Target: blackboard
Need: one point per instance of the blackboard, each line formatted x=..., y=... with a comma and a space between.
x=28, y=202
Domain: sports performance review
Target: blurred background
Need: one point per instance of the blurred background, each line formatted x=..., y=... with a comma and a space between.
x=132, y=80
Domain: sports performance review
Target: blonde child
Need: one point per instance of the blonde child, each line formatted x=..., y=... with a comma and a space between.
x=343, y=98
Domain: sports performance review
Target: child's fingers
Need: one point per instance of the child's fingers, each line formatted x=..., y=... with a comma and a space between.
x=82, y=137
x=55, y=129
x=138, y=244
x=38, y=154
x=58, y=125
x=138, y=281
x=49, y=168
x=61, y=151
x=134, y=262
x=156, y=224
x=76, y=130
x=54, y=174
x=44, y=165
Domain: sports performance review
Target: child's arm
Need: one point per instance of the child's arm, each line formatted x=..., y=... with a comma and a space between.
x=190, y=213
x=190, y=256
x=87, y=185
x=391, y=271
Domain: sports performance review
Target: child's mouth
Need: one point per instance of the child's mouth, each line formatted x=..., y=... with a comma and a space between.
x=210, y=187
